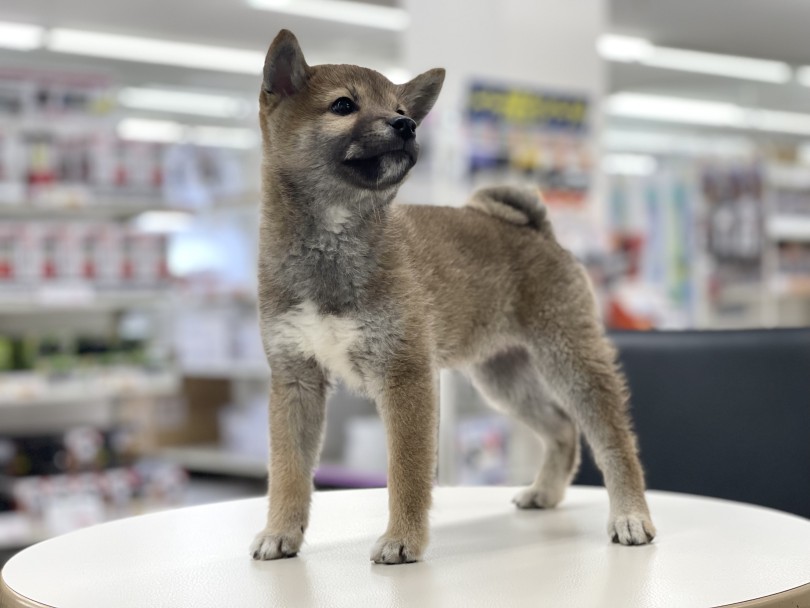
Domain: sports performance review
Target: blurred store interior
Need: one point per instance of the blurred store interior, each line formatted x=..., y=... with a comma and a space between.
x=671, y=141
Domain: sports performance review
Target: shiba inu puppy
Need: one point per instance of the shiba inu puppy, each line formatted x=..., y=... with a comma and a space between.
x=382, y=296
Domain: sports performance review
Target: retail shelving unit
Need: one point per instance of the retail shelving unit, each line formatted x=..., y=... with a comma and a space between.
x=782, y=296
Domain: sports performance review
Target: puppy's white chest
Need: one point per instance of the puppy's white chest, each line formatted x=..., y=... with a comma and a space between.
x=328, y=338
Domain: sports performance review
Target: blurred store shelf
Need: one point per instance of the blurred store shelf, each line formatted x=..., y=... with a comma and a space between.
x=19, y=530
x=32, y=402
x=30, y=389
x=46, y=300
x=794, y=228
x=212, y=458
x=232, y=370
x=106, y=210
x=217, y=460
x=788, y=176
x=789, y=286
x=100, y=207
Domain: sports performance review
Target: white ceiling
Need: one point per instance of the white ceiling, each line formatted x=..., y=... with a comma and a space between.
x=221, y=22
x=229, y=23
x=773, y=29
x=767, y=29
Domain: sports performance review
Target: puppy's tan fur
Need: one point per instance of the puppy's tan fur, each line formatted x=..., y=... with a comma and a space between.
x=384, y=295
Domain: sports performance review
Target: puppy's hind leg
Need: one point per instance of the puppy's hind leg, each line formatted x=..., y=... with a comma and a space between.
x=579, y=364
x=511, y=382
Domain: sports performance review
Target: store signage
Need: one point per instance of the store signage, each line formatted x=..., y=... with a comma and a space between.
x=547, y=110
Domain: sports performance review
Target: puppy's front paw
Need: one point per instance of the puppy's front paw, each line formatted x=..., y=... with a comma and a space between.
x=532, y=498
x=392, y=550
x=274, y=545
x=631, y=529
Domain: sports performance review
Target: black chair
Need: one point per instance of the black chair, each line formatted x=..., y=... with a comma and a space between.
x=721, y=413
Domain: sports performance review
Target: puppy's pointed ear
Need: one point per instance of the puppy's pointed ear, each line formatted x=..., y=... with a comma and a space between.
x=419, y=94
x=285, y=70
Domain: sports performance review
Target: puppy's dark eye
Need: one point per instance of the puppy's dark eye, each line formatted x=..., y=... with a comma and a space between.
x=343, y=106
x=400, y=111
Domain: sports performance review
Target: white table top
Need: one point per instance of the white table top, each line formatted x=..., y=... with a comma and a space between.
x=483, y=552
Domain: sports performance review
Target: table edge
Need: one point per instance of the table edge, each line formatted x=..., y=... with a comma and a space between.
x=797, y=597
x=11, y=599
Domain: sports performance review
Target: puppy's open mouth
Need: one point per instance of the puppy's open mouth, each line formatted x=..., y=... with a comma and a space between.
x=388, y=166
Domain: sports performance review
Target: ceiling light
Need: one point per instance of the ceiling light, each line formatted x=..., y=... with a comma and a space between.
x=638, y=50
x=710, y=113
x=183, y=102
x=673, y=109
x=20, y=36
x=623, y=48
x=167, y=131
x=159, y=131
x=149, y=50
x=342, y=11
x=745, y=68
x=629, y=164
x=673, y=143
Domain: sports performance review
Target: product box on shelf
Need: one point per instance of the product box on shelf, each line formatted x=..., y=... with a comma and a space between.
x=144, y=262
x=59, y=504
x=59, y=252
x=158, y=422
x=103, y=255
x=76, y=450
x=243, y=428
x=9, y=262
x=39, y=164
x=12, y=190
x=794, y=259
x=126, y=169
x=483, y=450
x=20, y=253
x=101, y=251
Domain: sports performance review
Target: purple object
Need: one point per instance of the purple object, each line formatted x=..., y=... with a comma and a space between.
x=338, y=476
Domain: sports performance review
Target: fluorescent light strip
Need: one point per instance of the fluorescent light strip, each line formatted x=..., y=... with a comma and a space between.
x=183, y=102
x=638, y=50
x=708, y=113
x=342, y=11
x=149, y=50
x=730, y=66
x=20, y=36
x=629, y=164
x=669, y=142
x=672, y=109
x=167, y=131
x=623, y=48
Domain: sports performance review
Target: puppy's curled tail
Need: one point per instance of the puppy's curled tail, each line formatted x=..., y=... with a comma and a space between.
x=515, y=205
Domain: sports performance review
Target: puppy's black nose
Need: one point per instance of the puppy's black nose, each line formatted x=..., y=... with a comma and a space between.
x=404, y=126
